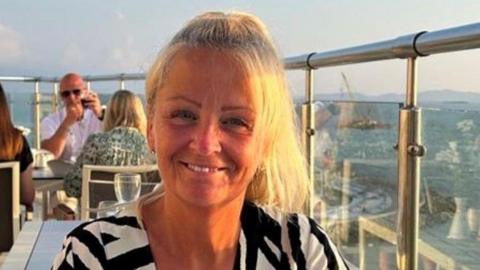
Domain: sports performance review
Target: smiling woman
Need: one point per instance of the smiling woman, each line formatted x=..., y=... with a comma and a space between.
x=220, y=120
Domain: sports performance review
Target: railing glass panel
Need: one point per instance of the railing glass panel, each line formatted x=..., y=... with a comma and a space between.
x=449, y=192
x=355, y=172
x=451, y=185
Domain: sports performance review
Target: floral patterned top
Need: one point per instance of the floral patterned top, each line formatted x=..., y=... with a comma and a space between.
x=117, y=147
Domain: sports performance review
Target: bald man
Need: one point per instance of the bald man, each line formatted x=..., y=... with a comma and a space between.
x=64, y=132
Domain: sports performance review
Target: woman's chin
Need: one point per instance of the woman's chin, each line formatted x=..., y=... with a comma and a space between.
x=206, y=199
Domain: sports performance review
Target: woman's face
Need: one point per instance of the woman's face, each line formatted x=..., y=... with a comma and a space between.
x=203, y=129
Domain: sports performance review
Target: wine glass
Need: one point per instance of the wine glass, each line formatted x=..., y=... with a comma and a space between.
x=127, y=186
x=106, y=208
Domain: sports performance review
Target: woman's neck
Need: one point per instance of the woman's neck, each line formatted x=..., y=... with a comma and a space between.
x=200, y=236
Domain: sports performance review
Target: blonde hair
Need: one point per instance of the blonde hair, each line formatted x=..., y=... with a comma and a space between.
x=282, y=179
x=125, y=109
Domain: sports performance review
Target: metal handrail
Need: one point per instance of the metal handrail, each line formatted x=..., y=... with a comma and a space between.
x=412, y=45
x=417, y=44
x=88, y=78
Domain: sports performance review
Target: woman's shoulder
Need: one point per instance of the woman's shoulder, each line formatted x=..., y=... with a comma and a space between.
x=94, y=137
x=306, y=239
x=123, y=229
x=94, y=142
x=105, y=137
x=268, y=216
x=272, y=212
x=109, y=225
x=113, y=242
x=124, y=130
x=126, y=133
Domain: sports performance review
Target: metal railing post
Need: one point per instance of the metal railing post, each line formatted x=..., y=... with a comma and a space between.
x=36, y=104
x=410, y=149
x=308, y=133
x=55, y=97
x=122, y=84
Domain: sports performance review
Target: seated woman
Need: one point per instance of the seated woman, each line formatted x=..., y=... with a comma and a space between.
x=123, y=141
x=14, y=147
x=222, y=126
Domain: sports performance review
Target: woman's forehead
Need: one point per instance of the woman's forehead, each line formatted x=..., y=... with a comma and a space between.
x=201, y=69
x=189, y=57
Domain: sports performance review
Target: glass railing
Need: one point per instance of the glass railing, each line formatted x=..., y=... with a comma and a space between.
x=449, y=217
x=356, y=183
x=355, y=168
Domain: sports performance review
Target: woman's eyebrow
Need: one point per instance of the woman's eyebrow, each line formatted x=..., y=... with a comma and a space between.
x=238, y=108
x=199, y=105
x=186, y=99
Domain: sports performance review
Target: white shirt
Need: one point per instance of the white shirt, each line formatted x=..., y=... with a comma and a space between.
x=78, y=134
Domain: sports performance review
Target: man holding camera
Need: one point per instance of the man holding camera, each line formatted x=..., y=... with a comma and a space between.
x=64, y=132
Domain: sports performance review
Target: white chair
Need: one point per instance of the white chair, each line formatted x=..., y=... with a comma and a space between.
x=10, y=204
x=97, y=184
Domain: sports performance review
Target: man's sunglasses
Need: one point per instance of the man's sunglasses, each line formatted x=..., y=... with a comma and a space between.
x=67, y=93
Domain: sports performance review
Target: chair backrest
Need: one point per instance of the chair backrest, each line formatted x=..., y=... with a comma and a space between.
x=97, y=184
x=9, y=204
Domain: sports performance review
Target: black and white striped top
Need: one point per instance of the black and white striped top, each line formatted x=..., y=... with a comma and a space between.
x=268, y=240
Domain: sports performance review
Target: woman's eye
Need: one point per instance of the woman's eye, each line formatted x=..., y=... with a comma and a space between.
x=184, y=115
x=236, y=123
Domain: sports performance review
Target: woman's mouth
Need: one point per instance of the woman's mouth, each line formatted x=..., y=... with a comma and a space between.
x=203, y=168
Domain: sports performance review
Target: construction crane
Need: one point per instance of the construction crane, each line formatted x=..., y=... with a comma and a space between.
x=346, y=85
x=354, y=114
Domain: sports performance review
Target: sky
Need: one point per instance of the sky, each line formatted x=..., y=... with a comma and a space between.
x=52, y=37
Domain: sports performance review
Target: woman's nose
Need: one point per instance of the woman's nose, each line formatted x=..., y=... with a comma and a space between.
x=206, y=139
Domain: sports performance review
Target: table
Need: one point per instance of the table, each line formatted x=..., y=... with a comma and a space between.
x=45, y=181
x=37, y=244
x=433, y=244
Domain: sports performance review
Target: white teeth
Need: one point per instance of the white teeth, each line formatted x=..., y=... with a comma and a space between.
x=201, y=169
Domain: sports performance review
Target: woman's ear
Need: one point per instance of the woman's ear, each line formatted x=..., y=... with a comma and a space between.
x=151, y=134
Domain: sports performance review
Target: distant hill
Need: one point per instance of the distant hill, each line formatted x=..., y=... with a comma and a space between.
x=445, y=95
x=428, y=96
